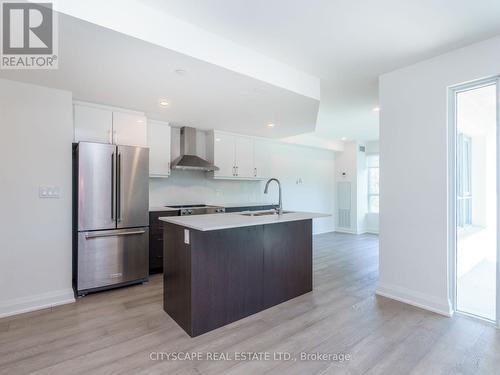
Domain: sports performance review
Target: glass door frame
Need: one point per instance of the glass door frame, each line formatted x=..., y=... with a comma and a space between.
x=452, y=191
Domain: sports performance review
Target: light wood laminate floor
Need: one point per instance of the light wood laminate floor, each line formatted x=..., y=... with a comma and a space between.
x=115, y=332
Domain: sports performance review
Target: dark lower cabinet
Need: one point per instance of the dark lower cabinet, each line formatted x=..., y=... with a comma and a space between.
x=225, y=275
x=156, y=240
x=287, y=261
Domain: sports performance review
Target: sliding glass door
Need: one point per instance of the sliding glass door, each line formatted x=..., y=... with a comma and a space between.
x=476, y=208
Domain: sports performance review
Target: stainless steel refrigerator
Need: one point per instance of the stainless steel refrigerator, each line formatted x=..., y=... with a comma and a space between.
x=111, y=200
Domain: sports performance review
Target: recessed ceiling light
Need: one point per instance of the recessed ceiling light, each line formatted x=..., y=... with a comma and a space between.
x=217, y=139
x=376, y=109
x=140, y=121
x=270, y=125
x=163, y=103
x=180, y=72
x=343, y=139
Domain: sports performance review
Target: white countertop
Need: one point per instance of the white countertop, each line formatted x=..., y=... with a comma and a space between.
x=236, y=220
x=229, y=205
x=152, y=209
x=236, y=204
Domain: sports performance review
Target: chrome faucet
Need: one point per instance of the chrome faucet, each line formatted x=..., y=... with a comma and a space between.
x=280, y=206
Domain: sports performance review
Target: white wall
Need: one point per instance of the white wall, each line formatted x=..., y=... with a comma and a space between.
x=315, y=168
x=346, y=171
x=372, y=147
x=352, y=162
x=362, y=190
x=372, y=219
x=35, y=238
x=372, y=223
x=414, y=264
x=308, y=177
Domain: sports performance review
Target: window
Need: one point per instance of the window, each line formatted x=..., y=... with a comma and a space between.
x=464, y=166
x=372, y=162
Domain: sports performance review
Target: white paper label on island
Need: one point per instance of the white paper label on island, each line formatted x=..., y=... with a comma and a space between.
x=186, y=236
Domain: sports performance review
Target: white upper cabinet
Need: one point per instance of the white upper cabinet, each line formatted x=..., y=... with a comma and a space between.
x=224, y=155
x=95, y=123
x=159, y=134
x=92, y=124
x=261, y=158
x=244, y=162
x=130, y=129
x=238, y=157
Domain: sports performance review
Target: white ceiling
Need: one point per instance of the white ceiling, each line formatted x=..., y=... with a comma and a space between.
x=107, y=67
x=348, y=43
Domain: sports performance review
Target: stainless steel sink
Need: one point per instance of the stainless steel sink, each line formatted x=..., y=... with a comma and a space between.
x=263, y=213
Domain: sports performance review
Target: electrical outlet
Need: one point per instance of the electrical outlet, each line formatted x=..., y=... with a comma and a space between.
x=49, y=191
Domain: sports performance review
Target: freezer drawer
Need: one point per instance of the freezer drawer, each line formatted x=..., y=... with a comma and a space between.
x=106, y=258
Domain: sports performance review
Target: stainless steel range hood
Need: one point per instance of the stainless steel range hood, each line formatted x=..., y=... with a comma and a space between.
x=189, y=158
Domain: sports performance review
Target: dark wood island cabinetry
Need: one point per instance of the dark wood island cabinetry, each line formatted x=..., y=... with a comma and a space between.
x=215, y=277
x=156, y=240
x=156, y=232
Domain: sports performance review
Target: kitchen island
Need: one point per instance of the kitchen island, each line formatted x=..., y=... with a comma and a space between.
x=220, y=268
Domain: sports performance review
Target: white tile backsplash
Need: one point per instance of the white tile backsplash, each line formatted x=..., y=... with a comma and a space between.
x=184, y=187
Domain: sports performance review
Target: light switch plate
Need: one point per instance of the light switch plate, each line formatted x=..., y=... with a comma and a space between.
x=186, y=236
x=49, y=191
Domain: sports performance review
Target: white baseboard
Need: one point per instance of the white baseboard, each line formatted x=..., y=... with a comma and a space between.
x=415, y=298
x=324, y=231
x=37, y=302
x=350, y=231
x=345, y=230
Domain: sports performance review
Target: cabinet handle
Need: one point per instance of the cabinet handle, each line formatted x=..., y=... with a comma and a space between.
x=113, y=234
x=236, y=170
x=110, y=136
x=255, y=172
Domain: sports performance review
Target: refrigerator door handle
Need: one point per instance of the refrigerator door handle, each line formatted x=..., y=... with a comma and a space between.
x=113, y=186
x=119, y=188
x=115, y=234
